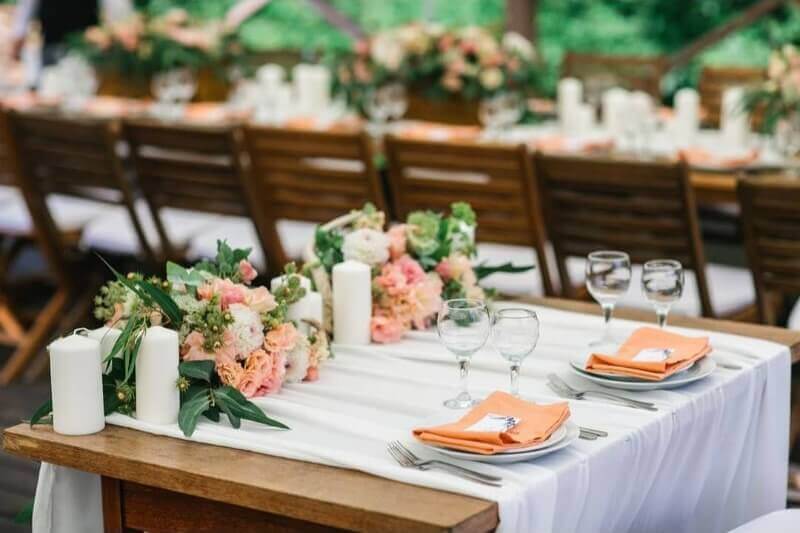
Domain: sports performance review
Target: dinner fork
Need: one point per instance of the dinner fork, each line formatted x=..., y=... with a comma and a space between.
x=407, y=458
x=560, y=386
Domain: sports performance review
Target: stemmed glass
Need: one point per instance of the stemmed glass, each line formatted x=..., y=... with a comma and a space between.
x=662, y=284
x=608, y=276
x=463, y=325
x=385, y=103
x=515, y=333
x=499, y=112
x=173, y=89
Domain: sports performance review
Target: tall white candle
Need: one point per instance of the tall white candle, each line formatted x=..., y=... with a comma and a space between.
x=270, y=76
x=322, y=89
x=686, y=121
x=309, y=307
x=275, y=283
x=303, y=87
x=77, y=385
x=569, y=96
x=734, y=121
x=157, y=396
x=107, y=337
x=352, y=303
x=615, y=103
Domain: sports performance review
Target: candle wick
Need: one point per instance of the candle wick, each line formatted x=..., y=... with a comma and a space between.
x=81, y=331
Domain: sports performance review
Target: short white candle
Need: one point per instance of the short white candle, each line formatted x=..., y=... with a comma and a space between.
x=569, y=96
x=275, y=283
x=77, y=385
x=157, y=396
x=734, y=120
x=270, y=76
x=107, y=337
x=352, y=302
x=309, y=307
x=615, y=104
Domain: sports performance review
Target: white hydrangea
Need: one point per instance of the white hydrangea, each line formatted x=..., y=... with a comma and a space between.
x=367, y=246
x=387, y=50
x=297, y=360
x=517, y=44
x=247, y=330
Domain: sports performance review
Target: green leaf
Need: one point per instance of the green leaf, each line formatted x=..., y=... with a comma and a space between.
x=44, y=410
x=178, y=274
x=483, y=270
x=243, y=408
x=25, y=515
x=190, y=413
x=212, y=413
x=203, y=370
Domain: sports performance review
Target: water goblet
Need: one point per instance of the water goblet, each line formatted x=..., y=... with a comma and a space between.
x=382, y=104
x=515, y=332
x=463, y=325
x=662, y=284
x=608, y=276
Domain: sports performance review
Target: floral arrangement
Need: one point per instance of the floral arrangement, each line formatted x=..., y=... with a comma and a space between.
x=415, y=265
x=779, y=95
x=236, y=342
x=469, y=61
x=143, y=45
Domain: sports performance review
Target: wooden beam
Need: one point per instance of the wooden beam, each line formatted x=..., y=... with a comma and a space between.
x=336, y=18
x=747, y=17
x=521, y=17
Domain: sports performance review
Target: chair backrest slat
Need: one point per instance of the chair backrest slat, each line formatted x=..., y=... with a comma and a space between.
x=600, y=72
x=646, y=209
x=714, y=81
x=771, y=223
x=495, y=180
x=312, y=176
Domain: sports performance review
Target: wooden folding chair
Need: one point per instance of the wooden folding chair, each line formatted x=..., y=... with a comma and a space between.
x=307, y=176
x=771, y=227
x=600, y=72
x=714, y=81
x=59, y=157
x=191, y=168
x=495, y=179
x=646, y=209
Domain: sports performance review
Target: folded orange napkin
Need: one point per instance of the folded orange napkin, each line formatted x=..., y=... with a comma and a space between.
x=480, y=432
x=559, y=143
x=702, y=157
x=637, y=357
x=434, y=131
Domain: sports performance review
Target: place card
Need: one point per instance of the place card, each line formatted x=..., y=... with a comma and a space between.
x=493, y=423
x=653, y=355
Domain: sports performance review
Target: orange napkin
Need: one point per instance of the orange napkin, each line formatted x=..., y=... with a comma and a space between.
x=209, y=112
x=558, y=143
x=702, y=157
x=433, y=131
x=312, y=123
x=536, y=424
x=685, y=351
x=113, y=106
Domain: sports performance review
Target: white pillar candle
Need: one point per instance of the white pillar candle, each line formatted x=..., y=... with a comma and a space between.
x=641, y=107
x=568, y=97
x=77, y=385
x=615, y=104
x=352, y=303
x=303, y=87
x=734, y=120
x=157, y=396
x=275, y=283
x=686, y=120
x=107, y=337
x=585, y=119
x=309, y=307
x=322, y=89
x=270, y=76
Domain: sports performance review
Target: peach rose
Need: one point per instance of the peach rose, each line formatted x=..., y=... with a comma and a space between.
x=397, y=240
x=247, y=271
x=312, y=374
x=263, y=373
x=411, y=270
x=192, y=349
x=281, y=339
x=230, y=373
x=386, y=329
x=260, y=300
x=228, y=292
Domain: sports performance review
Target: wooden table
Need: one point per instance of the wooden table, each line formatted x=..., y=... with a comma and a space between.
x=162, y=484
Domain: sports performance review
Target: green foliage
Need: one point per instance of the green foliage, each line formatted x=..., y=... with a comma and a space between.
x=226, y=264
x=328, y=247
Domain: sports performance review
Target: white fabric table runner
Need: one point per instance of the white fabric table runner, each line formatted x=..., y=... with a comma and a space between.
x=713, y=457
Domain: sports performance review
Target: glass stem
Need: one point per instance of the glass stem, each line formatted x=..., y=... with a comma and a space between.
x=515, y=368
x=661, y=315
x=463, y=382
x=608, y=310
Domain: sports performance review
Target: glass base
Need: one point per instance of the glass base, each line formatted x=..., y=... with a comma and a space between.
x=462, y=401
x=610, y=344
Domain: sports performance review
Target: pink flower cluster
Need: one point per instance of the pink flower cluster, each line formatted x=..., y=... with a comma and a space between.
x=405, y=296
x=457, y=267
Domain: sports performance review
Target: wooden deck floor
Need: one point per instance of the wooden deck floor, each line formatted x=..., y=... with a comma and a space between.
x=17, y=476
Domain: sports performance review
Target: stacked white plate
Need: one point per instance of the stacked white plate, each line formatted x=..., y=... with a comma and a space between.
x=694, y=372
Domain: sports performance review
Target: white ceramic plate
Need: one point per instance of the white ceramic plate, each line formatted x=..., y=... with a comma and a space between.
x=579, y=363
x=571, y=432
x=701, y=369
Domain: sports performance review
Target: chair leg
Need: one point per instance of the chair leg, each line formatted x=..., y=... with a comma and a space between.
x=11, y=331
x=35, y=337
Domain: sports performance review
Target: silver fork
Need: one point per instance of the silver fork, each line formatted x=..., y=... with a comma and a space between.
x=561, y=387
x=407, y=458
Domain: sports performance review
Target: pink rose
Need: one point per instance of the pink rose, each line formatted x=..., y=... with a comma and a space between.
x=273, y=380
x=263, y=373
x=411, y=270
x=228, y=292
x=260, y=300
x=247, y=271
x=312, y=374
x=397, y=240
x=362, y=47
x=443, y=269
x=386, y=329
x=192, y=349
x=226, y=353
x=230, y=373
x=281, y=339
x=249, y=383
x=428, y=297
x=391, y=280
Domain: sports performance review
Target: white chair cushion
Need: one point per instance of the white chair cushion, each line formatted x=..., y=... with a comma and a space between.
x=785, y=521
x=238, y=231
x=9, y=193
x=295, y=235
x=69, y=213
x=794, y=317
x=113, y=232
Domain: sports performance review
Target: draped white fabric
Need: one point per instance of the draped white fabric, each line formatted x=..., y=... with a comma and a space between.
x=713, y=457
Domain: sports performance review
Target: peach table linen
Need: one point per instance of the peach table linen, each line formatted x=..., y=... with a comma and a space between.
x=705, y=158
x=537, y=423
x=685, y=351
x=432, y=131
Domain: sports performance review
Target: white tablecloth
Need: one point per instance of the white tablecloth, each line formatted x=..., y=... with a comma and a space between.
x=714, y=456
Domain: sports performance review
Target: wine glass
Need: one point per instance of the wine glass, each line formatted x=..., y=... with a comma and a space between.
x=499, y=112
x=384, y=103
x=463, y=325
x=173, y=89
x=662, y=284
x=608, y=276
x=515, y=333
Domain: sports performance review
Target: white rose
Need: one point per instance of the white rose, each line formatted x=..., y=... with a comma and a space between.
x=387, y=50
x=519, y=45
x=491, y=78
x=247, y=330
x=367, y=246
x=297, y=360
